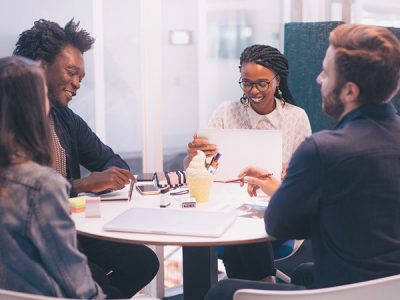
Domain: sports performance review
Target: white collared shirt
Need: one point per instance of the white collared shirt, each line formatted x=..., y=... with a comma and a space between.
x=290, y=119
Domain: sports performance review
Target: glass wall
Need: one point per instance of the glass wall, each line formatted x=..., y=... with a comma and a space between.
x=121, y=29
x=14, y=20
x=117, y=34
x=180, y=78
x=383, y=13
x=229, y=26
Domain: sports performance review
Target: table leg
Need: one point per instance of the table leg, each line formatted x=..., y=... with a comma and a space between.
x=200, y=271
x=156, y=287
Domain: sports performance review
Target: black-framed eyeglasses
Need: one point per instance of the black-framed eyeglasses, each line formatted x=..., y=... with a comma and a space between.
x=261, y=85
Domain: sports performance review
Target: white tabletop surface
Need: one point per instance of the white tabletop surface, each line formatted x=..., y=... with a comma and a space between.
x=224, y=197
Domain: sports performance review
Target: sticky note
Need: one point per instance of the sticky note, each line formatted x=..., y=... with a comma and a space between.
x=77, y=204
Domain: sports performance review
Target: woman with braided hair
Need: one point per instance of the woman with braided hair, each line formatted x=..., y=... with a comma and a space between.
x=266, y=103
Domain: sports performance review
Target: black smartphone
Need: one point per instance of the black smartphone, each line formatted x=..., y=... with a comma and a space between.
x=145, y=177
x=161, y=179
x=147, y=189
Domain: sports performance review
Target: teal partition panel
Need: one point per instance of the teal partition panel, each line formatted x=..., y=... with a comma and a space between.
x=305, y=46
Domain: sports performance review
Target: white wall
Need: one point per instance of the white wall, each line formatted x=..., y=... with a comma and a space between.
x=121, y=59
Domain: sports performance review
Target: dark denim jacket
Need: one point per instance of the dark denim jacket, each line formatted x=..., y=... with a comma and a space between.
x=38, y=252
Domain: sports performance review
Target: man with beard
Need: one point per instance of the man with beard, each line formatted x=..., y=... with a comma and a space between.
x=342, y=186
x=60, y=50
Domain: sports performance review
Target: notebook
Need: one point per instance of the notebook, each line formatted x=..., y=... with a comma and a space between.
x=109, y=195
x=114, y=195
x=240, y=148
x=172, y=221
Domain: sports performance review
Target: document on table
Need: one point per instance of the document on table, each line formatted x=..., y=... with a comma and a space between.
x=248, y=210
x=112, y=195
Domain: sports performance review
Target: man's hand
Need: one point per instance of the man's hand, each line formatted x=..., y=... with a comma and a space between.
x=254, y=179
x=200, y=143
x=111, y=179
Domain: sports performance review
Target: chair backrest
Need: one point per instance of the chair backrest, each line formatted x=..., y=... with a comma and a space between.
x=12, y=295
x=305, y=47
x=387, y=288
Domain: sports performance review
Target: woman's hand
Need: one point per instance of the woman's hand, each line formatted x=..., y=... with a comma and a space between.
x=200, y=143
x=254, y=177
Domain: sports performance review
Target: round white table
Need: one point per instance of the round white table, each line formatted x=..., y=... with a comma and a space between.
x=199, y=253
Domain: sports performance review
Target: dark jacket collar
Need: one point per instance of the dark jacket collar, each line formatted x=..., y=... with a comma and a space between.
x=374, y=111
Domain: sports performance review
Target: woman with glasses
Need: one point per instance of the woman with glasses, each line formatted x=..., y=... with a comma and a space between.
x=39, y=252
x=266, y=103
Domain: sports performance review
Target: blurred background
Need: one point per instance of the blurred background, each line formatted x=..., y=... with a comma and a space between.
x=159, y=68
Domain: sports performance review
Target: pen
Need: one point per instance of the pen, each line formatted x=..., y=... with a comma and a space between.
x=265, y=176
x=131, y=190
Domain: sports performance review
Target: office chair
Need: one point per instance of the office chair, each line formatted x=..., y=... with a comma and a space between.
x=287, y=256
x=287, y=261
x=13, y=295
x=384, y=288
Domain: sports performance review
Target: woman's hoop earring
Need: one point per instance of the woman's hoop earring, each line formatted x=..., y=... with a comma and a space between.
x=245, y=101
x=280, y=94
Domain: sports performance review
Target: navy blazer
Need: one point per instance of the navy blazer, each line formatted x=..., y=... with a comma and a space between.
x=342, y=190
x=81, y=144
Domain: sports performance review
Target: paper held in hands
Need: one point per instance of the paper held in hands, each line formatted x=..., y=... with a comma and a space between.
x=258, y=148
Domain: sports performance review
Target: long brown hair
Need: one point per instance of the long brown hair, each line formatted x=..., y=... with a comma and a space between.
x=24, y=129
